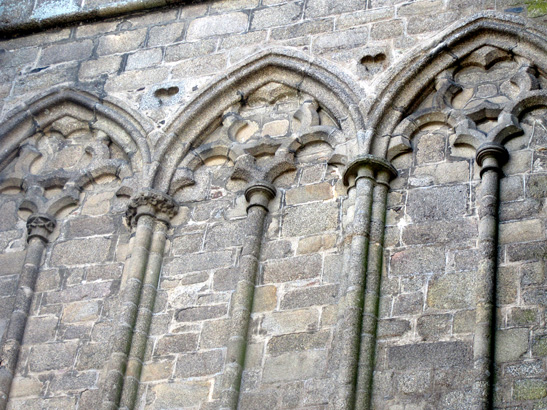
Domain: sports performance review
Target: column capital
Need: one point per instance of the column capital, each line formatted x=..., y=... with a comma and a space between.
x=153, y=203
x=260, y=194
x=491, y=156
x=40, y=226
x=372, y=162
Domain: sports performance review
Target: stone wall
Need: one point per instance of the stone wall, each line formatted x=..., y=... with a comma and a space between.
x=286, y=205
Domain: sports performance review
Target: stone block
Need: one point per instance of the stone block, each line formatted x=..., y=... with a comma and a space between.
x=94, y=355
x=52, y=356
x=521, y=231
x=95, y=290
x=216, y=25
x=429, y=23
x=295, y=268
x=199, y=262
x=464, y=321
x=225, y=279
x=414, y=383
x=40, y=329
x=417, y=261
x=170, y=395
x=166, y=34
x=81, y=311
x=199, y=66
x=430, y=355
x=386, y=29
x=300, y=30
x=121, y=42
x=303, y=320
x=73, y=381
x=451, y=291
x=25, y=386
x=297, y=342
x=193, y=314
x=294, y=366
x=215, y=333
x=408, y=303
x=158, y=370
x=524, y=369
x=11, y=263
x=310, y=296
x=531, y=251
x=178, y=343
x=340, y=40
x=265, y=298
x=185, y=244
x=199, y=364
x=310, y=219
x=430, y=147
x=392, y=328
x=278, y=15
x=88, y=226
x=77, y=252
x=437, y=203
x=184, y=51
x=73, y=51
x=529, y=389
x=132, y=80
x=308, y=193
x=225, y=235
x=511, y=344
x=438, y=232
x=144, y=59
x=434, y=327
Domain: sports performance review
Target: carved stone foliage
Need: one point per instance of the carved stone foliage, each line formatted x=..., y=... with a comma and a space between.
x=480, y=99
x=263, y=136
x=52, y=167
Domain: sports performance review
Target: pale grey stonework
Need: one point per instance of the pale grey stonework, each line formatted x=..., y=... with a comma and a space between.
x=266, y=204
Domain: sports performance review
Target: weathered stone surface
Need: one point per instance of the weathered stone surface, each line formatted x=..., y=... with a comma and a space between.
x=294, y=366
x=216, y=25
x=429, y=355
x=310, y=219
x=172, y=344
x=296, y=268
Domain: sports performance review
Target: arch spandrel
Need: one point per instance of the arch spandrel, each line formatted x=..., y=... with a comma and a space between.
x=336, y=93
x=406, y=84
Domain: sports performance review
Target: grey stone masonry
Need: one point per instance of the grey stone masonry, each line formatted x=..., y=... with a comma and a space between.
x=273, y=204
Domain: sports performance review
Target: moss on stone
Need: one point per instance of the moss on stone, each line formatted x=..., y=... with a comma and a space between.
x=529, y=389
x=536, y=8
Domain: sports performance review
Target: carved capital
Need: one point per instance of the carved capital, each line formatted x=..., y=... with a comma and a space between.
x=260, y=194
x=40, y=226
x=491, y=156
x=153, y=203
x=375, y=164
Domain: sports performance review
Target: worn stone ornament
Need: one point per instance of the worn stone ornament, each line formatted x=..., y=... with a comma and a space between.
x=40, y=225
x=152, y=203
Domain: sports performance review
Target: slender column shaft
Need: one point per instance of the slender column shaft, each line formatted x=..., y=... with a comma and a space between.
x=372, y=293
x=490, y=156
x=130, y=300
x=242, y=298
x=144, y=316
x=39, y=227
x=351, y=304
x=18, y=319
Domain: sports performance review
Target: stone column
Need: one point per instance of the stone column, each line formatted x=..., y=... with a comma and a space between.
x=490, y=157
x=363, y=171
x=143, y=211
x=258, y=196
x=39, y=226
x=144, y=315
x=372, y=288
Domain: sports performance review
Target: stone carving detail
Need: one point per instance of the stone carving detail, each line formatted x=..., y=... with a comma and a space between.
x=40, y=225
x=261, y=135
x=53, y=166
x=151, y=202
x=480, y=98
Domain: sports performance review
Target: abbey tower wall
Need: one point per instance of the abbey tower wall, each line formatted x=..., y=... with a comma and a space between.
x=267, y=204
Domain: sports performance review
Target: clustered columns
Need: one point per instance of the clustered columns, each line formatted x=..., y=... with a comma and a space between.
x=149, y=213
x=258, y=196
x=490, y=157
x=357, y=317
x=39, y=227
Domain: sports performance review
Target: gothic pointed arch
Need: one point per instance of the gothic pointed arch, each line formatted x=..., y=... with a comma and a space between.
x=122, y=127
x=409, y=83
x=278, y=71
